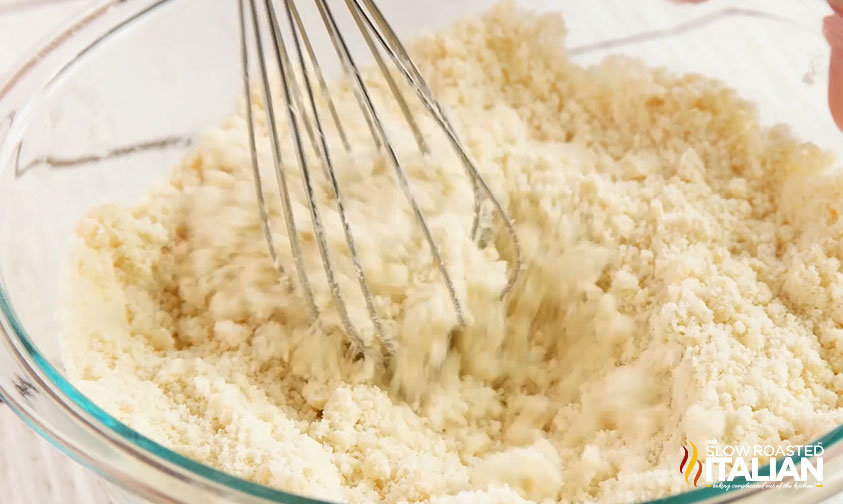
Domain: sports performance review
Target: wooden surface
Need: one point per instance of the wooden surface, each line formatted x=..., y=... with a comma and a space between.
x=32, y=471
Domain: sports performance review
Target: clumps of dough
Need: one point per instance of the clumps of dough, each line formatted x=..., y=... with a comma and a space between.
x=682, y=281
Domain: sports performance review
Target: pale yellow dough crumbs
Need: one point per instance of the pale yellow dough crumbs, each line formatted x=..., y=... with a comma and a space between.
x=682, y=281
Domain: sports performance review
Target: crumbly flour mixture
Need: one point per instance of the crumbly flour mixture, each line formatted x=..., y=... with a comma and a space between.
x=682, y=281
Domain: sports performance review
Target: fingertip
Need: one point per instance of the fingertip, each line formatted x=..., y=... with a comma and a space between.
x=833, y=29
x=835, y=87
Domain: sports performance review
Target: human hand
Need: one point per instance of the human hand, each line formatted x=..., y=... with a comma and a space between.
x=833, y=29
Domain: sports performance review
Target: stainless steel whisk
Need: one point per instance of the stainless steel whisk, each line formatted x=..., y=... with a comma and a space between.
x=262, y=19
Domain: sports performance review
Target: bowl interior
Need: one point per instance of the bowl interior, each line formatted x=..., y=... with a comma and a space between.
x=109, y=124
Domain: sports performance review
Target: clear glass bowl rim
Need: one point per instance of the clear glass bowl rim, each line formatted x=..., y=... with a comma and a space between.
x=75, y=404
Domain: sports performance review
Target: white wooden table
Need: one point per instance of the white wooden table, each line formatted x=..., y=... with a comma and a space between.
x=32, y=471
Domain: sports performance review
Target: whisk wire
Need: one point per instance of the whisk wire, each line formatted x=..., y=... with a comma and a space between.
x=398, y=53
x=300, y=68
x=324, y=155
x=367, y=105
x=393, y=86
x=376, y=28
x=282, y=182
x=296, y=118
x=320, y=76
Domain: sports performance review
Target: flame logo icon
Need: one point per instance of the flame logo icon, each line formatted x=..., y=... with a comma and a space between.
x=686, y=467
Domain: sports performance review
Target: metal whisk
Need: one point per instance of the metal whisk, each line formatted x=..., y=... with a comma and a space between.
x=299, y=81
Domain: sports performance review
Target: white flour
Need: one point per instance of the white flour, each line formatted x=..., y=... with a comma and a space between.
x=682, y=282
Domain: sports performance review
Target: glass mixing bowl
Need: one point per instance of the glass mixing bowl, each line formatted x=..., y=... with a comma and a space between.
x=102, y=109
